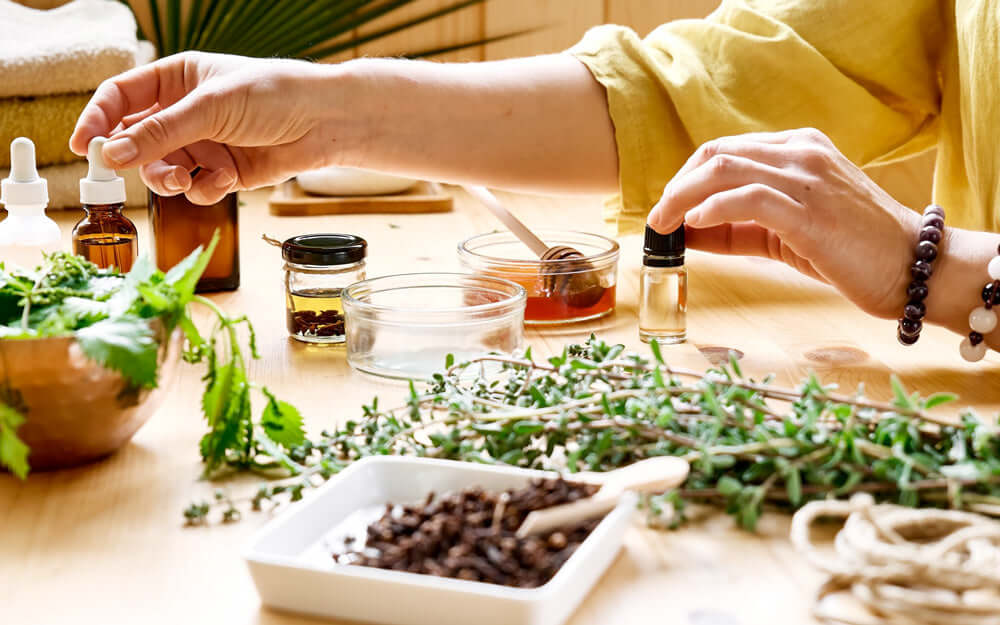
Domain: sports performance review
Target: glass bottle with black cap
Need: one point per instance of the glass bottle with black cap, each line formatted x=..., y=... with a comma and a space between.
x=663, y=288
x=317, y=268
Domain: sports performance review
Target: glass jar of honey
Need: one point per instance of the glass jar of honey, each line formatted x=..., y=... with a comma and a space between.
x=317, y=268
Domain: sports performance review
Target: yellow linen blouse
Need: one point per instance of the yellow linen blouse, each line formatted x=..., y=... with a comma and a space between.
x=884, y=79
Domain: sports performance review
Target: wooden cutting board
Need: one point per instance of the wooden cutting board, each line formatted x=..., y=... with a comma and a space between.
x=288, y=200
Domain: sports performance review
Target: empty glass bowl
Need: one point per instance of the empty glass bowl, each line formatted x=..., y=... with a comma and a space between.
x=404, y=326
x=559, y=291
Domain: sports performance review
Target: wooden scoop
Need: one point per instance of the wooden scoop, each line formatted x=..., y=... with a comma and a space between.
x=575, y=280
x=653, y=475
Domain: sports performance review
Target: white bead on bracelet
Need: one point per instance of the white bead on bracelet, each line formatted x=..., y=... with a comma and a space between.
x=983, y=319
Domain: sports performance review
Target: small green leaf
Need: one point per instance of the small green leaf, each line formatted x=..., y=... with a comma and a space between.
x=528, y=427
x=901, y=400
x=282, y=423
x=729, y=486
x=938, y=399
x=13, y=451
x=449, y=361
x=184, y=275
x=793, y=484
x=734, y=364
x=654, y=345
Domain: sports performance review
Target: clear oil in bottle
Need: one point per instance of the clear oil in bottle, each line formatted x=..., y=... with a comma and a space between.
x=663, y=288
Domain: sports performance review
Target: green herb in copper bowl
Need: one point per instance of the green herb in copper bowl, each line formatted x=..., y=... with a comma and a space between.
x=86, y=355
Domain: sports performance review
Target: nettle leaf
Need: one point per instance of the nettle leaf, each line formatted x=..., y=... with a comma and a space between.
x=85, y=311
x=282, y=423
x=220, y=392
x=13, y=451
x=125, y=345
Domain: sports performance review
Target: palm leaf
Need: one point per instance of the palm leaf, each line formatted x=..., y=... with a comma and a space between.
x=288, y=28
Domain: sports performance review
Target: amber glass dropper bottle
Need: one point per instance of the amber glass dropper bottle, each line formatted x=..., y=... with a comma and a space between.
x=104, y=236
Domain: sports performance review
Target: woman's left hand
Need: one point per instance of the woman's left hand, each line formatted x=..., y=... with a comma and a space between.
x=792, y=196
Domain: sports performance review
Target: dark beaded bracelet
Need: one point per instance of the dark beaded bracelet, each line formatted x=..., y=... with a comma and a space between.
x=931, y=233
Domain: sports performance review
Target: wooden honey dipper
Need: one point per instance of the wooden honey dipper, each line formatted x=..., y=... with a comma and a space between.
x=566, y=271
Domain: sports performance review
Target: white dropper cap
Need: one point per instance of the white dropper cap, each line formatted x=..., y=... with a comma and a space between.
x=102, y=185
x=23, y=186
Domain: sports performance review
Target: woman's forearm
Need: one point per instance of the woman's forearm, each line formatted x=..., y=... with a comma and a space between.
x=960, y=274
x=536, y=124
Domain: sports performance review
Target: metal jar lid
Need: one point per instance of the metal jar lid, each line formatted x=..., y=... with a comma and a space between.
x=324, y=249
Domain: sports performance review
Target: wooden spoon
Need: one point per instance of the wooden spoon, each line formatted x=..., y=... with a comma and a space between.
x=653, y=475
x=575, y=280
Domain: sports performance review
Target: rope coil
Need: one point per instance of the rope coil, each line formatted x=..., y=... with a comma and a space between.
x=905, y=566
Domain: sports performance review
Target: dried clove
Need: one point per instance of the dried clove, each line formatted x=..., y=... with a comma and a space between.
x=470, y=534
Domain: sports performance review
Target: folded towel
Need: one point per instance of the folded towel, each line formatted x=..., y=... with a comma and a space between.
x=69, y=49
x=64, y=184
x=46, y=120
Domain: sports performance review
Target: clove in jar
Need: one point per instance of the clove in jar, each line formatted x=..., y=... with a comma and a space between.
x=317, y=269
x=663, y=288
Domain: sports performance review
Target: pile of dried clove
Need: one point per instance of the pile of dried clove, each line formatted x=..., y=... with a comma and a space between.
x=470, y=534
x=313, y=323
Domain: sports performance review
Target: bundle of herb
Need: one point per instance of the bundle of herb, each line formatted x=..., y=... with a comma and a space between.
x=113, y=319
x=596, y=407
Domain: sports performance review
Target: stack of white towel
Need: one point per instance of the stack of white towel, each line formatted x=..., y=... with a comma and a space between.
x=50, y=63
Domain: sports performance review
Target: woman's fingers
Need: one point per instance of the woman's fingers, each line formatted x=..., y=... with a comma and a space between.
x=748, y=239
x=218, y=172
x=740, y=239
x=169, y=176
x=126, y=94
x=752, y=163
x=184, y=122
x=754, y=202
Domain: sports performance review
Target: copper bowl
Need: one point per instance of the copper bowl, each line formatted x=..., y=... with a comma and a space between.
x=76, y=411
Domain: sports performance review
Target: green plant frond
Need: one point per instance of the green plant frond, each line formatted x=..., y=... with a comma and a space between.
x=288, y=28
x=384, y=32
x=301, y=25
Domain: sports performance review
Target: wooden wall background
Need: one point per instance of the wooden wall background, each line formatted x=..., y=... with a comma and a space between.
x=563, y=22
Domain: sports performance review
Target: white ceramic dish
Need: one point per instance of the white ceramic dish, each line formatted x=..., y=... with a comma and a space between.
x=348, y=181
x=293, y=570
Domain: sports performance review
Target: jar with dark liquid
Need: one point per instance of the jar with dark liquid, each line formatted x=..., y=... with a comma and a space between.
x=179, y=226
x=106, y=237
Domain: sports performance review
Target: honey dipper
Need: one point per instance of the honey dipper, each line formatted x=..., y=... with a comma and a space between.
x=576, y=281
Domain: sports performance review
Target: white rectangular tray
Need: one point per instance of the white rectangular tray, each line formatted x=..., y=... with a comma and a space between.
x=291, y=564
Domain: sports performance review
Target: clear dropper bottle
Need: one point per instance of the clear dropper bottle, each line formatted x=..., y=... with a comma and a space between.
x=27, y=234
x=663, y=288
x=104, y=236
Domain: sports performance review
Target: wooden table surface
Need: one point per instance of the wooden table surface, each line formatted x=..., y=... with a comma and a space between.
x=106, y=543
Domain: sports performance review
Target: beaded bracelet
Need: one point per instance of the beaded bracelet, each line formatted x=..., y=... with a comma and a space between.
x=931, y=233
x=983, y=320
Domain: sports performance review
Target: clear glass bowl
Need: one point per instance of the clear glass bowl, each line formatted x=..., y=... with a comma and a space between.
x=404, y=326
x=559, y=291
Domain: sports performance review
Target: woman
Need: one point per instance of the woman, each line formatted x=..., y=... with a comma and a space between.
x=877, y=81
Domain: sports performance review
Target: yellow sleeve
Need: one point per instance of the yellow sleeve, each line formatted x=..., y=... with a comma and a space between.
x=863, y=72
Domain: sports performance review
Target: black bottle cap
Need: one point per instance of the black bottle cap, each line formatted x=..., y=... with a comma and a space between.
x=663, y=250
x=324, y=249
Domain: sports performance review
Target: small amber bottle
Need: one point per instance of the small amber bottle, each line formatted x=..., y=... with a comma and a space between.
x=663, y=288
x=104, y=236
x=179, y=226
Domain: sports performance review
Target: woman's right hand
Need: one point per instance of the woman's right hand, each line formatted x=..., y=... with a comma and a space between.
x=245, y=122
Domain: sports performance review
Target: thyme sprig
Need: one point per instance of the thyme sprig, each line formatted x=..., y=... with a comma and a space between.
x=596, y=407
